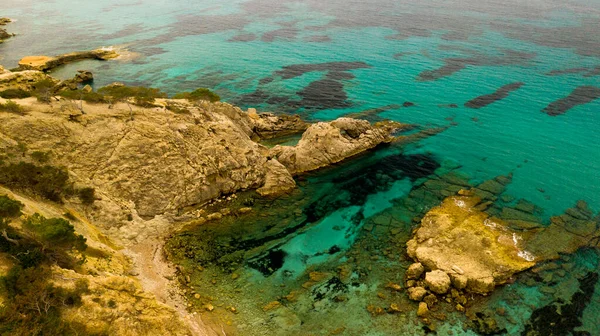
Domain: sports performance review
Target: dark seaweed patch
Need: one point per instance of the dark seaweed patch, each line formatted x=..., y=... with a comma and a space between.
x=283, y=33
x=248, y=37
x=317, y=38
x=329, y=289
x=579, y=96
x=453, y=65
x=270, y=263
x=296, y=70
x=560, y=318
x=500, y=94
x=325, y=93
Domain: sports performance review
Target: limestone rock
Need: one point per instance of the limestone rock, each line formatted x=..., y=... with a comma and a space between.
x=415, y=271
x=45, y=63
x=23, y=80
x=423, y=310
x=417, y=293
x=456, y=238
x=278, y=180
x=459, y=281
x=479, y=252
x=323, y=144
x=268, y=125
x=437, y=281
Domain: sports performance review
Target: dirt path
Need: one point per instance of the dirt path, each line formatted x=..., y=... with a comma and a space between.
x=154, y=272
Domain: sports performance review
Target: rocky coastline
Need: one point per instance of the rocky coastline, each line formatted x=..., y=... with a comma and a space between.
x=157, y=165
x=150, y=164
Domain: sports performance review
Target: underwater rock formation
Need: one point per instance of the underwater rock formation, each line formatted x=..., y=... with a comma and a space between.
x=45, y=63
x=324, y=144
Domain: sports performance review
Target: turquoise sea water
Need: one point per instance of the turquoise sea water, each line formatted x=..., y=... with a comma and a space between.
x=325, y=59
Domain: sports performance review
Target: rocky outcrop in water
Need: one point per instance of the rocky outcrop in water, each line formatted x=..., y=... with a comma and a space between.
x=3, y=33
x=479, y=252
x=45, y=63
x=324, y=144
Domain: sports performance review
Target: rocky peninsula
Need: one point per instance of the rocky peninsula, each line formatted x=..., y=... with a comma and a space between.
x=147, y=165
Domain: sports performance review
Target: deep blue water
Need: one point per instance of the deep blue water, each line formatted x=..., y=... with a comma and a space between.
x=325, y=59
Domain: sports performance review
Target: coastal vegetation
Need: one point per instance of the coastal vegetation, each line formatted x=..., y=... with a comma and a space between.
x=34, y=303
x=12, y=107
x=199, y=94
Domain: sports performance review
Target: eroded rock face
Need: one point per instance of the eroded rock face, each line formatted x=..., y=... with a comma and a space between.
x=268, y=125
x=148, y=166
x=324, y=144
x=156, y=163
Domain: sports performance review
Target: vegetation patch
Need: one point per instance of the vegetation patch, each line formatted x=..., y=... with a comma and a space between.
x=142, y=96
x=12, y=107
x=47, y=181
x=90, y=97
x=15, y=94
x=33, y=304
x=199, y=94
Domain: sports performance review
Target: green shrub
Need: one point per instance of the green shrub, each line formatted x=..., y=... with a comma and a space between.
x=44, y=90
x=41, y=157
x=142, y=96
x=12, y=107
x=87, y=195
x=9, y=208
x=55, y=232
x=175, y=108
x=199, y=94
x=34, y=306
x=90, y=97
x=69, y=216
x=47, y=181
x=15, y=94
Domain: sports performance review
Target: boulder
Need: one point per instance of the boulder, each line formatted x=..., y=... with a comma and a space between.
x=423, y=310
x=417, y=293
x=415, y=271
x=437, y=281
x=278, y=180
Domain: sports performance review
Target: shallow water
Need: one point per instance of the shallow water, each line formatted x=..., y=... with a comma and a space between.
x=327, y=59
